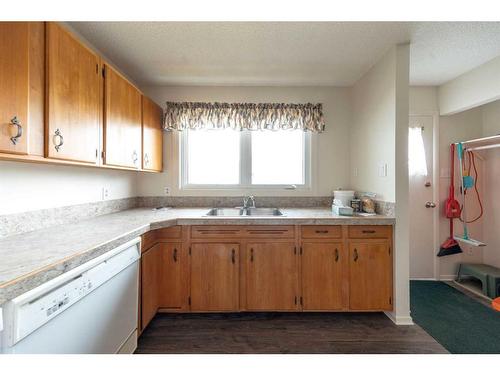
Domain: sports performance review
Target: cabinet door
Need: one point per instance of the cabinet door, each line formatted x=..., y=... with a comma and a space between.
x=214, y=277
x=322, y=275
x=14, y=41
x=173, y=285
x=370, y=276
x=150, y=281
x=122, y=121
x=152, y=135
x=271, y=276
x=74, y=98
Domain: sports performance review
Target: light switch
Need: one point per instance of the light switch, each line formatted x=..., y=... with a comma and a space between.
x=382, y=169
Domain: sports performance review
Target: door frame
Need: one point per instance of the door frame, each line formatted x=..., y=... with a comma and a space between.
x=435, y=182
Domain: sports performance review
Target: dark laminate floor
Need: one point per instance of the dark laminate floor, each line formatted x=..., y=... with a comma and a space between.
x=283, y=333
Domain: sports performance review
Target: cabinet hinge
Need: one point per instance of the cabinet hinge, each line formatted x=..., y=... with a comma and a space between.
x=189, y=300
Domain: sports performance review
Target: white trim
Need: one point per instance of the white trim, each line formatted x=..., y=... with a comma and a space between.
x=399, y=320
x=423, y=279
x=447, y=277
x=246, y=168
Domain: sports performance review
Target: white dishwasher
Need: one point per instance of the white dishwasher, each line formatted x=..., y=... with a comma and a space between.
x=90, y=309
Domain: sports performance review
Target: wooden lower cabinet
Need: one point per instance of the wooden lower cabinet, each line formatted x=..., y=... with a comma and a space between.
x=322, y=275
x=271, y=280
x=150, y=283
x=173, y=280
x=215, y=277
x=370, y=275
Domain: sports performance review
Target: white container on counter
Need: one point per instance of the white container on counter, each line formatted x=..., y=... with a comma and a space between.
x=345, y=196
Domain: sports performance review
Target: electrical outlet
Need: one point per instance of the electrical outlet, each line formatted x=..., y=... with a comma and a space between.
x=166, y=190
x=105, y=193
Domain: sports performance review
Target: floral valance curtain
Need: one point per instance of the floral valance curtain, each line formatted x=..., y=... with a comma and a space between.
x=244, y=116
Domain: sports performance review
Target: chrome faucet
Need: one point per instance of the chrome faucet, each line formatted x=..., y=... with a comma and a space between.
x=247, y=200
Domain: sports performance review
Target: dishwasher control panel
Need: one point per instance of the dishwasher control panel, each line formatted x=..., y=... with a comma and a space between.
x=32, y=310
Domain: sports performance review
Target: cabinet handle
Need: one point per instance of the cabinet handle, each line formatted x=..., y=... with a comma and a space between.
x=321, y=231
x=14, y=121
x=356, y=256
x=134, y=157
x=251, y=255
x=58, y=140
x=368, y=231
x=336, y=255
x=146, y=159
x=233, y=256
x=175, y=254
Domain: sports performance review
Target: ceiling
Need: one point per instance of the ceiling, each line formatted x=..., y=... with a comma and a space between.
x=287, y=53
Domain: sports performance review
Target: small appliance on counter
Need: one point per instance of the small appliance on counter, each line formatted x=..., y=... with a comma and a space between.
x=338, y=208
x=344, y=196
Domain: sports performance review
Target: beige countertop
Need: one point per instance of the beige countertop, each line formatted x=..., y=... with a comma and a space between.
x=30, y=259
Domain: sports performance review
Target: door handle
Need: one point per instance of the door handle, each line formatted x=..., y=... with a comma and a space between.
x=356, y=256
x=430, y=204
x=233, y=256
x=175, y=255
x=336, y=255
x=14, y=121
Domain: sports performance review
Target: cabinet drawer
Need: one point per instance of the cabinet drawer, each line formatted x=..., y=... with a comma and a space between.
x=370, y=231
x=216, y=231
x=274, y=231
x=168, y=233
x=321, y=231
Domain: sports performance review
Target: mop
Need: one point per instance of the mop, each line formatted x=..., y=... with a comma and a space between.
x=467, y=182
x=452, y=211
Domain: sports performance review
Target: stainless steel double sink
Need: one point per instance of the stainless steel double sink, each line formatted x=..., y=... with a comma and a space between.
x=238, y=212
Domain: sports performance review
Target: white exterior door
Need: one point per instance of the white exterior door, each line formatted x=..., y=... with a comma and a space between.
x=423, y=207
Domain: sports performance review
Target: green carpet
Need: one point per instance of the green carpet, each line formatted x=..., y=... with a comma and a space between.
x=455, y=320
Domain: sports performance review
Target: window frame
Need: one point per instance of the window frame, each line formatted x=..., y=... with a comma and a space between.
x=245, y=170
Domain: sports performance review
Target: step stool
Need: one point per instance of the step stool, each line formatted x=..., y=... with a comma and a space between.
x=488, y=275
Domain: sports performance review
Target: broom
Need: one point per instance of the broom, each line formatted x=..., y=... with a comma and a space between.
x=452, y=210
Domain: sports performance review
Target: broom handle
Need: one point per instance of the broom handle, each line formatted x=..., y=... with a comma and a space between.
x=460, y=159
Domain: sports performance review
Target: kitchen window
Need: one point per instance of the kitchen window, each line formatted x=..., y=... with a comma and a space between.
x=233, y=159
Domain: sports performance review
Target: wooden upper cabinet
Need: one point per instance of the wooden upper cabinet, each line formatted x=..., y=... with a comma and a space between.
x=214, y=277
x=322, y=275
x=22, y=87
x=370, y=275
x=152, y=135
x=73, y=98
x=271, y=276
x=122, y=121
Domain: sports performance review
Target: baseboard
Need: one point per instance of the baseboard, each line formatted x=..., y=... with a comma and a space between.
x=399, y=320
x=130, y=344
x=447, y=277
x=423, y=279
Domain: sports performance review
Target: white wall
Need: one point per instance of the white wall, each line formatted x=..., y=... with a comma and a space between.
x=379, y=134
x=423, y=100
x=474, y=88
x=491, y=220
x=28, y=187
x=373, y=129
x=330, y=159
